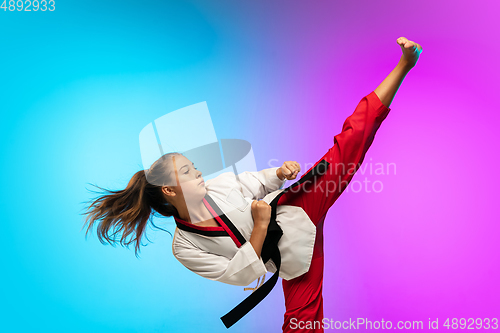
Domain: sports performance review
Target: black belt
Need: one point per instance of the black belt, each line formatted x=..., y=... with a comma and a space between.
x=270, y=250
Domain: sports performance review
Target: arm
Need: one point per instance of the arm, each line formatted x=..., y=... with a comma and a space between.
x=244, y=268
x=257, y=238
x=280, y=175
x=261, y=214
x=257, y=185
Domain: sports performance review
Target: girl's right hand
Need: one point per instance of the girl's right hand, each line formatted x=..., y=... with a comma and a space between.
x=261, y=212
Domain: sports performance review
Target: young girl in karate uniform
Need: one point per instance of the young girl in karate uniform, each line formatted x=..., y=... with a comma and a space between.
x=224, y=224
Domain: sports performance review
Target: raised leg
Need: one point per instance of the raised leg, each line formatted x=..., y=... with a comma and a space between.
x=351, y=145
x=303, y=295
x=318, y=194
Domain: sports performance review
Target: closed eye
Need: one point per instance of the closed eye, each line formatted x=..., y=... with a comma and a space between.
x=188, y=171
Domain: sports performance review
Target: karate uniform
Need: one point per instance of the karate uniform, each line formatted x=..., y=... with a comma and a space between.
x=220, y=258
x=224, y=253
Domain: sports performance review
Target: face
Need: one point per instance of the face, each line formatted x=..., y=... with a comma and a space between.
x=188, y=178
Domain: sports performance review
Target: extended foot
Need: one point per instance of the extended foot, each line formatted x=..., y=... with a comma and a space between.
x=411, y=51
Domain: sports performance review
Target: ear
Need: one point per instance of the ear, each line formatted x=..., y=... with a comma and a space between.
x=167, y=190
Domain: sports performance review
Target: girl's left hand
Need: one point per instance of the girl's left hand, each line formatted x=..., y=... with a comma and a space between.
x=289, y=170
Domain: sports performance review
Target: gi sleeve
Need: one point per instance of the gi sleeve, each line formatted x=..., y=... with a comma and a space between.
x=257, y=185
x=244, y=268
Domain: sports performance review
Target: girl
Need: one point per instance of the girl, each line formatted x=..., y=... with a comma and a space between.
x=234, y=229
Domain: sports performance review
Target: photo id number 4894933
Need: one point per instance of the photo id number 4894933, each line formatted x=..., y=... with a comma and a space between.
x=28, y=5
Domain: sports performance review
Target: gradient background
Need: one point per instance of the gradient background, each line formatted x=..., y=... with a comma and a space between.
x=78, y=85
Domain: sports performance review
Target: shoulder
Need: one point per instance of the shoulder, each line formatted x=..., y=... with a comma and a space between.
x=180, y=241
x=222, y=183
x=222, y=178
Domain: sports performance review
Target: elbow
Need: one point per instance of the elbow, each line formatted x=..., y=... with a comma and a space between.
x=241, y=281
x=238, y=280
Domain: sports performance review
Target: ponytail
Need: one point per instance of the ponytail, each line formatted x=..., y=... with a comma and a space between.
x=127, y=212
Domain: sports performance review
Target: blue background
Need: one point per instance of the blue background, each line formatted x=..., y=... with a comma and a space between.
x=78, y=84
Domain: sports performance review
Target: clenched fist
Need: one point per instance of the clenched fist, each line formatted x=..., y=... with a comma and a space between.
x=261, y=212
x=288, y=170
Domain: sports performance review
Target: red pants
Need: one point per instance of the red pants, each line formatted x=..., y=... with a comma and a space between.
x=303, y=294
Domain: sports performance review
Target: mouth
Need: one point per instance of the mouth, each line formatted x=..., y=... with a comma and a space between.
x=202, y=182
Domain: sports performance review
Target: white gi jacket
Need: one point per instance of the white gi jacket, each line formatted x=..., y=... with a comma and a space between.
x=219, y=258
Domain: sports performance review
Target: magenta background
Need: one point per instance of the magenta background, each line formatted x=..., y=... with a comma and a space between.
x=427, y=245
